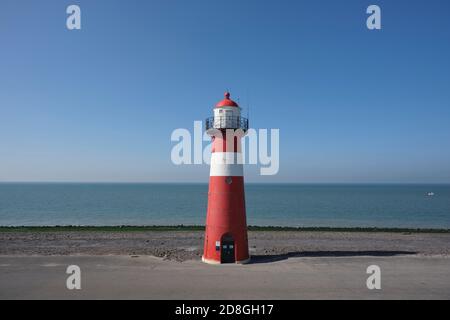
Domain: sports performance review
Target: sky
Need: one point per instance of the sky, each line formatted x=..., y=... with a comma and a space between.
x=99, y=104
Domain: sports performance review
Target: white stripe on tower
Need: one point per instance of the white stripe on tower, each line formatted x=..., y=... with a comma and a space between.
x=226, y=164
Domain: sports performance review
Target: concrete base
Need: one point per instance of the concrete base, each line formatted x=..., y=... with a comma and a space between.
x=215, y=262
x=209, y=261
x=244, y=261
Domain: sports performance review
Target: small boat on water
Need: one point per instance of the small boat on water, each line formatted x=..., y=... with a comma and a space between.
x=430, y=194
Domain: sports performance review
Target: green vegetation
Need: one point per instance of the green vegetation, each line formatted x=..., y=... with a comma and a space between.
x=201, y=228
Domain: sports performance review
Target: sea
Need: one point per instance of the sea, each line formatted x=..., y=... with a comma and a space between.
x=285, y=205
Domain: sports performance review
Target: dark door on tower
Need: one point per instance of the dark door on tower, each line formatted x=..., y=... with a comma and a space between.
x=227, y=250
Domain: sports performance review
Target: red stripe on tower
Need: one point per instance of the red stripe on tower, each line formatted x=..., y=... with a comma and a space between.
x=226, y=226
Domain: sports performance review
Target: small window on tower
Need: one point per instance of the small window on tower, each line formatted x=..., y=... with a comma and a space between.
x=229, y=180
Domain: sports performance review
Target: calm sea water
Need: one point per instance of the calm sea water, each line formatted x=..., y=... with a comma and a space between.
x=267, y=204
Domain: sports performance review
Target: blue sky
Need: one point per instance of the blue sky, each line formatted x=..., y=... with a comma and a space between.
x=100, y=104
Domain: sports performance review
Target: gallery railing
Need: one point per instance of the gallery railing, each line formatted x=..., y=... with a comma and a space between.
x=223, y=122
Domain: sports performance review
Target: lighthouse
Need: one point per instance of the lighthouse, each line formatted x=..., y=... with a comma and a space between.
x=226, y=226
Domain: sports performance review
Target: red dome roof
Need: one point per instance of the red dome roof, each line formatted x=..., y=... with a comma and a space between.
x=227, y=102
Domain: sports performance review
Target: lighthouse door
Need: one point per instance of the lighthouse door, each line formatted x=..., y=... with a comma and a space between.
x=227, y=250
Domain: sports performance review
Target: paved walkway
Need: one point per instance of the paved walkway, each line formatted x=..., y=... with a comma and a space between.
x=124, y=277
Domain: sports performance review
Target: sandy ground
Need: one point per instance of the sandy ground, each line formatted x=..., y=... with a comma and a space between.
x=188, y=245
x=166, y=265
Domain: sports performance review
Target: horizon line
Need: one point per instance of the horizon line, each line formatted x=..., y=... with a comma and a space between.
x=206, y=182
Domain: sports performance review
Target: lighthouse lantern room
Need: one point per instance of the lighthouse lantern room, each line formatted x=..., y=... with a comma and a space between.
x=226, y=226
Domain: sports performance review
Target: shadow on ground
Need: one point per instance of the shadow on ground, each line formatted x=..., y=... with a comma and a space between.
x=319, y=254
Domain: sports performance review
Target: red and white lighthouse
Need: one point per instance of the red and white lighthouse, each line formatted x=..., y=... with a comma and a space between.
x=226, y=226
